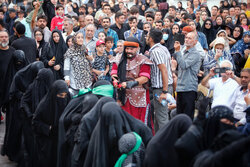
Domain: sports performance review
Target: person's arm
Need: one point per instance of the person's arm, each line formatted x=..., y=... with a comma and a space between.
x=66, y=69
x=212, y=44
x=205, y=80
x=106, y=70
x=231, y=40
x=32, y=24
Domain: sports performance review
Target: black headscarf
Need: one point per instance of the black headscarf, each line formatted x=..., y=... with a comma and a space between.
x=241, y=32
x=86, y=127
x=36, y=91
x=165, y=138
x=45, y=123
x=19, y=60
x=169, y=43
x=210, y=33
x=122, y=69
x=113, y=123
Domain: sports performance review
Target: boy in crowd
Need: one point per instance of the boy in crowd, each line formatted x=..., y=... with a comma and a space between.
x=57, y=21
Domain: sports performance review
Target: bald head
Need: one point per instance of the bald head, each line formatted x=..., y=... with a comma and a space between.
x=191, y=39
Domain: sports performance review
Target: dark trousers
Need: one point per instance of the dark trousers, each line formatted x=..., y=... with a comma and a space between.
x=186, y=103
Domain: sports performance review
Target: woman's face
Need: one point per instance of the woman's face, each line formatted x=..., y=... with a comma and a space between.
x=70, y=42
x=90, y=10
x=222, y=34
x=175, y=29
x=228, y=31
x=56, y=37
x=208, y=24
x=236, y=32
x=38, y=36
x=203, y=16
x=79, y=39
x=166, y=22
x=218, y=20
x=101, y=36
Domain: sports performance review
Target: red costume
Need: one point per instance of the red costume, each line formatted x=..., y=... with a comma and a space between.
x=137, y=102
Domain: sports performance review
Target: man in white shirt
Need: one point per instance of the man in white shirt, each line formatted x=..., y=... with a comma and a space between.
x=224, y=87
x=239, y=102
x=68, y=28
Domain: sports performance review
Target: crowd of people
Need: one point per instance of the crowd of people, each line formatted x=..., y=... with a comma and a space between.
x=104, y=83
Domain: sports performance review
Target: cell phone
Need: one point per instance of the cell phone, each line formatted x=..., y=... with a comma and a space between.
x=220, y=70
x=218, y=51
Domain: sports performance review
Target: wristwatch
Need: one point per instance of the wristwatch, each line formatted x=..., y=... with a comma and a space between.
x=164, y=91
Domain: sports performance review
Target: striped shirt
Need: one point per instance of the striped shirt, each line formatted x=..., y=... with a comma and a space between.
x=159, y=54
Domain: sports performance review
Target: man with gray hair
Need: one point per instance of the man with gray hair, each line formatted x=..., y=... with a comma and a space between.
x=89, y=19
x=89, y=39
x=189, y=62
x=68, y=25
x=224, y=87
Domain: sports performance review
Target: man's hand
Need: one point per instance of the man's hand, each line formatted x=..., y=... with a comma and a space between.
x=212, y=73
x=177, y=46
x=171, y=106
x=218, y=54
x=67, y=82
x=163, y=96
x=173, y=64
x=247, y=53
x=247, y=99
x=200, y=74
x=57, y=67
x=230, y=73
x=133, y=30
x=90, y=57
x=124, y=85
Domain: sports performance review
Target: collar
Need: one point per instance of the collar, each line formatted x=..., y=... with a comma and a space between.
x=154, y=46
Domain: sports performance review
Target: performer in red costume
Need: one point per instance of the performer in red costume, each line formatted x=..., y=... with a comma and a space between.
x=132, y=71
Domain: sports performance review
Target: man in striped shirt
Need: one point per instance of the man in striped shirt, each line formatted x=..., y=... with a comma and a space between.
x=161, y=75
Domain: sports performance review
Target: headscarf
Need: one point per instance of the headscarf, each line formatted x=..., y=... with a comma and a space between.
x=210, y=33
x=241, y=33
x=241, y=46
x=169, y=43
x=165, y=138
x=80, y=64
x=129, y=42
x=226, y=46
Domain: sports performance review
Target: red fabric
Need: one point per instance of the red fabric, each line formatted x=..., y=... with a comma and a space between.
x=114, y=69
x=56, y=22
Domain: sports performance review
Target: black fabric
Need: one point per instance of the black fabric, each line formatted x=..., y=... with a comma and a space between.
x=160, y=150
x=113, y=123
x=169, y=43
x=241, y=32
x=45, y=123
x=5, y=73
x=201, y=135
x=86, y=127
x=210, y=33
x=52, y=49
x=31, y=98
x=120, y=32
x=14, y=119
x=49, y=10
x=186, y=103
x=231, y=150
x=28, y=46
x=68, y=124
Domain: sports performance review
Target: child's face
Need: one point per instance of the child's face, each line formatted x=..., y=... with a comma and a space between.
x=90, y=10
x=244, y=21
x=60, y=11
x=246, y=39
x=109, y=44
x=100, y=49
x=101, y=36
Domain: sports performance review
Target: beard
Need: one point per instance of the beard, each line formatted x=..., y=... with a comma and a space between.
x=130, y=55
x=4, y=44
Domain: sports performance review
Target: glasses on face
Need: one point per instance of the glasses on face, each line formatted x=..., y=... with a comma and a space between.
x=208, y=24
x=38, y=35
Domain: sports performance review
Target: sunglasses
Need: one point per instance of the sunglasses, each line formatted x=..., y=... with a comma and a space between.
x=207, y=23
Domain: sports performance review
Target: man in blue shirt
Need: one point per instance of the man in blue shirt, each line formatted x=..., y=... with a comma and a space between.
x=201, y=36
x=134, y=31
x=106, y=24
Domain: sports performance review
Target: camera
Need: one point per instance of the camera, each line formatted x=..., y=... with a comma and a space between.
x=221, y=70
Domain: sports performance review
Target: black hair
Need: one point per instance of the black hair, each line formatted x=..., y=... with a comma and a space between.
x=59, y=6
x=118, y=14
x=109, y=38
x=150, y=15
x=42, y=17
x=131, y=18
x=106, y=18
x=2, y=23
x=156, y=35
x=159, y=21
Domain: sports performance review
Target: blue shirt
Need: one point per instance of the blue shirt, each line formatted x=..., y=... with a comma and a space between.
x=137, y=35
x=111, y=33
x=203, y=40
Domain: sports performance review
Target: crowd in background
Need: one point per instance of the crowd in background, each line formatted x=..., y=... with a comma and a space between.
x=61, y=105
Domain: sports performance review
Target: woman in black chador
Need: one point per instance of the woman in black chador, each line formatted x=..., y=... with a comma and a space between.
x=45, y=123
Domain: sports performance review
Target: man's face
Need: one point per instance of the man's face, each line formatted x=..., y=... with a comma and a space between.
x=132, y=23
x=158, y=16
x=131, y=51
x=245, y=79
x=172, y=12
x=232, y=12
x=214, y=11
x=60, y=11
x=125, y=12
x=105, y=23
x=120, y=47
x=106, y=10
x=158, y=26
x=20, y=15
x=196, y=2
x=224, y=13
x=67, y=27
x=190, y=40
x=41, y=23
x=81, y=22
x=54, y=2
x=82, y=10
x=192, y=24
x=12, y=15
x=237, y=11
x=89, y=20
x=150, y=20
x=146, y=27
x=225, y=65
x=120, y=20
x=4, y=39
x=90, y=31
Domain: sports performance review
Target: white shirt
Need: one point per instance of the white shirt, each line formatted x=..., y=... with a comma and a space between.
x=65, y=35
x=240, y=105
x=223, y=91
